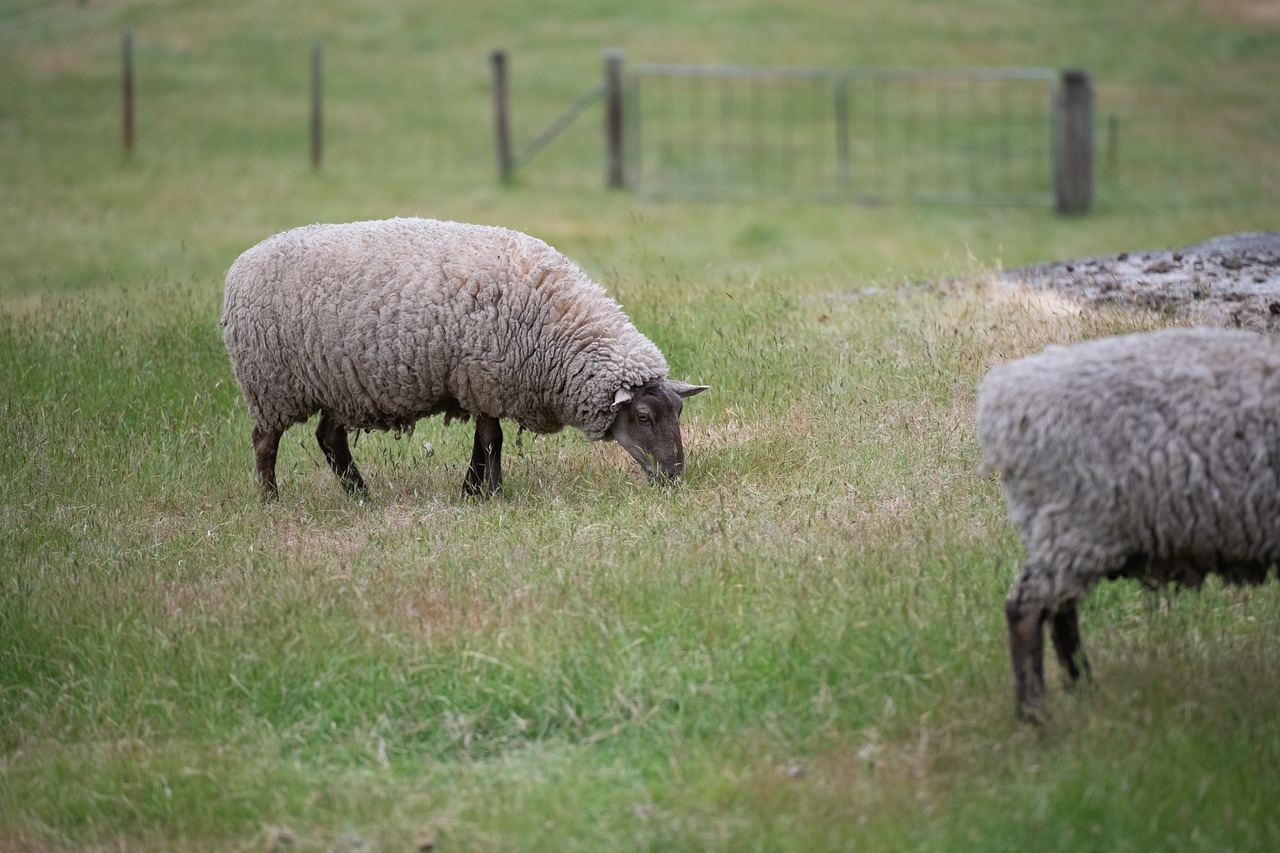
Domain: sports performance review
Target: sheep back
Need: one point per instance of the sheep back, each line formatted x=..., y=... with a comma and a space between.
x=1153, y=455
x=382, y=323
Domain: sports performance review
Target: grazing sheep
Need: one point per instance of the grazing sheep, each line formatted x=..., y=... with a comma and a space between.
x=377, y=324
x=1153, y=456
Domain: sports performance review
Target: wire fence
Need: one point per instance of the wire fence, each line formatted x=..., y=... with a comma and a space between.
x=974, y=136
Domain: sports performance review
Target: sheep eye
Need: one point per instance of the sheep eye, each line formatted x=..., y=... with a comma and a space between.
x=643, y=417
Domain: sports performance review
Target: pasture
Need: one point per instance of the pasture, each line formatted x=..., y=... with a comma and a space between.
x=799, y=647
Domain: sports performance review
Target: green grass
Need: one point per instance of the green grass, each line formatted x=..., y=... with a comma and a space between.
x=799, y=647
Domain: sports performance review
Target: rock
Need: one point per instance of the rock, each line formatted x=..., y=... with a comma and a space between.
x=1230, y=280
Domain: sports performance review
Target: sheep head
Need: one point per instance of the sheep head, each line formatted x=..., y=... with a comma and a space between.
x=647, y=425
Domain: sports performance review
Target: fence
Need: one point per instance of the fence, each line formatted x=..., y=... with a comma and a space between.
x=975, y=136
x=868, y=136
x=127, y=99
x=971, y=136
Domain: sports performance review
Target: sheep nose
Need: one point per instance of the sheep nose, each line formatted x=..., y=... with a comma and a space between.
x=666, y=473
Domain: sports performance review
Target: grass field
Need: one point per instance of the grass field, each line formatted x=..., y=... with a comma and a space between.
x=800, y=647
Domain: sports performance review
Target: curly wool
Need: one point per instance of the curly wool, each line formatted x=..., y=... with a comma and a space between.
x=385, y=322
x=1153, y=455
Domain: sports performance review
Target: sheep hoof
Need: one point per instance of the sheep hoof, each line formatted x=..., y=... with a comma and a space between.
x=1078, y=686
x=480, y=491
x=358, y=493
x=1035, y=715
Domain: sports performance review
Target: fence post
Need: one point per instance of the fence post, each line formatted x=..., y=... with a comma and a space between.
x=501, y=128
x=1113, y=143
x=127, y=86
x=616, y=176
x=316, y=117
x=842, y=134
x=1074, y=167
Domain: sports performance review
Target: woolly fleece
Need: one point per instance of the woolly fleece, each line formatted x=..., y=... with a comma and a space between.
x=385, y=322
x=1153, y=455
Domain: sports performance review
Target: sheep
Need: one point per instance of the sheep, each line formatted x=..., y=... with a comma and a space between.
x=1153, y=456
x=377, y=324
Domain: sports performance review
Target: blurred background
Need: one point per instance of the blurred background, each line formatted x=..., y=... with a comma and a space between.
x=887, y=176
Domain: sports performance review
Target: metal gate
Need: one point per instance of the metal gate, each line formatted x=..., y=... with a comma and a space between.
x=974, y=136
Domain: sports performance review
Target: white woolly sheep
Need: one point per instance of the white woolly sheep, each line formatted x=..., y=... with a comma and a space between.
x=377, y=324
x=1153, y=456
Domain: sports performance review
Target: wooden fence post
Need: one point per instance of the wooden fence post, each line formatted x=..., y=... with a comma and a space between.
x=127, y=56
x=316, y=105
x=616, y=175
x=1073, y=171
x=1113, y=143
x=501, y=127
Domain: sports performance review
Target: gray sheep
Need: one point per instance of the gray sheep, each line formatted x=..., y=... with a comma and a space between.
x=1153, y=456
x=377, y=324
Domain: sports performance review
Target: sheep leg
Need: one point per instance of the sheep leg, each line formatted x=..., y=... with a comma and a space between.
x=333, y=441
x=484, y=474
x=266, y=443
x=1026, y=648
x=1066, y=643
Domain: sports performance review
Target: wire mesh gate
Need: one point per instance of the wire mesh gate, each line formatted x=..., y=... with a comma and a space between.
x=974, y=136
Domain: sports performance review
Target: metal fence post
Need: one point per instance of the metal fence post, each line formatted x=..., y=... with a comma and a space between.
x=1073, y=171
x=613, y=118
x=501, y=127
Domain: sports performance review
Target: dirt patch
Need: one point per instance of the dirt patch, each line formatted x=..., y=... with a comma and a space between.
x=1233, y=280
x=1264, y=12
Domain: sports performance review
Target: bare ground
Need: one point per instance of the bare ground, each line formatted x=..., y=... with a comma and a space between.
x=1232, y=280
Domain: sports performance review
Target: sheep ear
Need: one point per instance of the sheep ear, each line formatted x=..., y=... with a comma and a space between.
x=684, y=389
x=624, y=395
